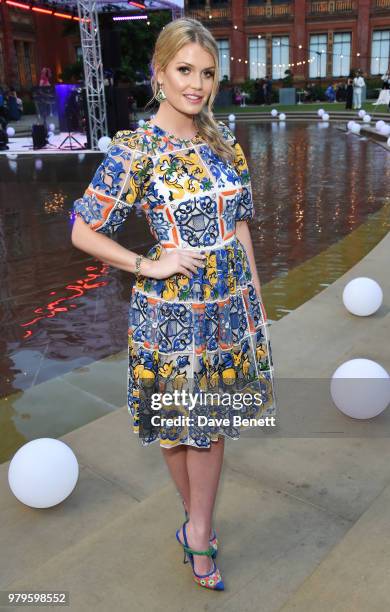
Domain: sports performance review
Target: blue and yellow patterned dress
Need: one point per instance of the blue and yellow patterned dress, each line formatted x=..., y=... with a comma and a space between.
x=207, y=333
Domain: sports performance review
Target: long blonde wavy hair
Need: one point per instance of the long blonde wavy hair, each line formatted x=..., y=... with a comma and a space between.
x=170, y=40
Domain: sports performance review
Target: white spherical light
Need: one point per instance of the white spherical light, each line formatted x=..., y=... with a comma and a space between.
x=325, y=117
x=43, y=473
x=361, y=113
x=10, y=131
x=141, y=122
x=282, y=117
x=355, y=128
x=350, y=124
x=104, y=143
x=320, y=112
x=379, y=124
x=385, y=130
x=232, y=117
x=360, y=388
x=274, y=112
x=366, y=118
x=52, y=127
x=362, y=296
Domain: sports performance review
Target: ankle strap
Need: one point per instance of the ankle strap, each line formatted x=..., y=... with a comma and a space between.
x=208, y=552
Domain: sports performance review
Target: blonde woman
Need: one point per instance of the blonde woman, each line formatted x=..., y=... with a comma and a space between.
x=196, y=322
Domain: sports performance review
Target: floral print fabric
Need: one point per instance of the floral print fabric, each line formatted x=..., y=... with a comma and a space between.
x=207, y=333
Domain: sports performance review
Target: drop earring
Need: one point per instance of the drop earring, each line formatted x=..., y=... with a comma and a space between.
x=160, y=95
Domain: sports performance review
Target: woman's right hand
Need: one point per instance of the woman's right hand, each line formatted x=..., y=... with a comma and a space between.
x=173, y=261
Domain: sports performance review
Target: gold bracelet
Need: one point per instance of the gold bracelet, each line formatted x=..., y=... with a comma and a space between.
x=138, y=260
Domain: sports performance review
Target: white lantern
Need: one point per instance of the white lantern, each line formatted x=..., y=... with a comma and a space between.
x=141, y=122
x=103, y=143
x=10, y=131
x=360, y=388
x=379, y=124
x=320, y=112
x=361, y=113
x=52, y=127
x=274, y=112
x=43, y=473
x=232, y=117
x=325, y=117
x=362, y=296
x=355, y=128
x=350, y=124
x=385, y=130
x=282, y=117
x=366, y=118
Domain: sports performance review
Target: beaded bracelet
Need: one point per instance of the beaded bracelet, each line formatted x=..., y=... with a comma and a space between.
x=138, y=260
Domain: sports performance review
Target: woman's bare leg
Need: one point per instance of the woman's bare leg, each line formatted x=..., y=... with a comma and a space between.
x=176, y=460
x=204, y=468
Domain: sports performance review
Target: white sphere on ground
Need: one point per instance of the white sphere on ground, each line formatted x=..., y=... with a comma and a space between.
x=325, y=117
x=362, y=296
x=52, y=127
x=320, y=112
x=379, y=124
x=142, y=121
x=350, y=124
x=104, y=143
x=232, y=117
x=355, y=128
x=361, y=113
x=10, y=131
x=385, y=130
x=282, y=117
x=360, y=388
x=367, y=118
x=43, y=473
x=274, y=112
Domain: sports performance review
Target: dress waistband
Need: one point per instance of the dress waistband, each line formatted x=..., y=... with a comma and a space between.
x=215, y=247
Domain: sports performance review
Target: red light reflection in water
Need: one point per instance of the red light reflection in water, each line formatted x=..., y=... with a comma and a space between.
x=79, y=289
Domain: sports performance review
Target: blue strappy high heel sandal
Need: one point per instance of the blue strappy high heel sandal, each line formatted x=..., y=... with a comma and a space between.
x=212, y=580
x=213, y=541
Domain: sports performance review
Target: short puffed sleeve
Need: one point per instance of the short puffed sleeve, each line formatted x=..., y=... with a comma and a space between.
x=245, y=209
x=118, y=183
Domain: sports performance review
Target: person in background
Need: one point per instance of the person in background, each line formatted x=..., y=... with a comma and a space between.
x=15, y=106
x=44, y=79
x=237, y=96
x=267, y=87
x=330, y=93
x=386, y=79
x=358, y=84
x=259, y=92
x=349, y=90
